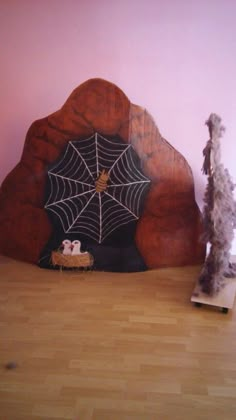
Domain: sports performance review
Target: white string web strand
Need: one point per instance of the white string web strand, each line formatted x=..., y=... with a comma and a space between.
x=96, y=148
x=73, y=198
x=100, y=218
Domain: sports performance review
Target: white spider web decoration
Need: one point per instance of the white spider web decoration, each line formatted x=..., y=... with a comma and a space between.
x=73, y=197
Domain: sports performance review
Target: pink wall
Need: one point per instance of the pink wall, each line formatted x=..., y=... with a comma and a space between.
x=174, y=57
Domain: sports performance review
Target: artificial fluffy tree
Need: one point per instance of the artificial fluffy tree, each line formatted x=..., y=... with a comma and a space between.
x=219, y=213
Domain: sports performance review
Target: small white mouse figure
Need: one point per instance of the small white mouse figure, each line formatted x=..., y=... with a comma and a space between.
x=76, y=247
x=66, y=247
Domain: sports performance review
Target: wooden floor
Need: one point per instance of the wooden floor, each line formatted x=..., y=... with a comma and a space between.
x=101, y=346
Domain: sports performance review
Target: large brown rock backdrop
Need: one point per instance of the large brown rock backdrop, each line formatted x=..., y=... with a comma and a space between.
x=169, y=229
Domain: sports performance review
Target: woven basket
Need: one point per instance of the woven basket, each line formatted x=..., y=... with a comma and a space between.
x=82, y=260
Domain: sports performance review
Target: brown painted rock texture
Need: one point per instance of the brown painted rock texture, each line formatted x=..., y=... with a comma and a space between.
x=169, y=230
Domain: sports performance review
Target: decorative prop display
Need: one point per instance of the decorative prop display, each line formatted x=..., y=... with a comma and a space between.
x=165, y=232
x=219, y=216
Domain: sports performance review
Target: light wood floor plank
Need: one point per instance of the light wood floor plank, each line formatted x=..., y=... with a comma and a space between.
x=102, y=346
